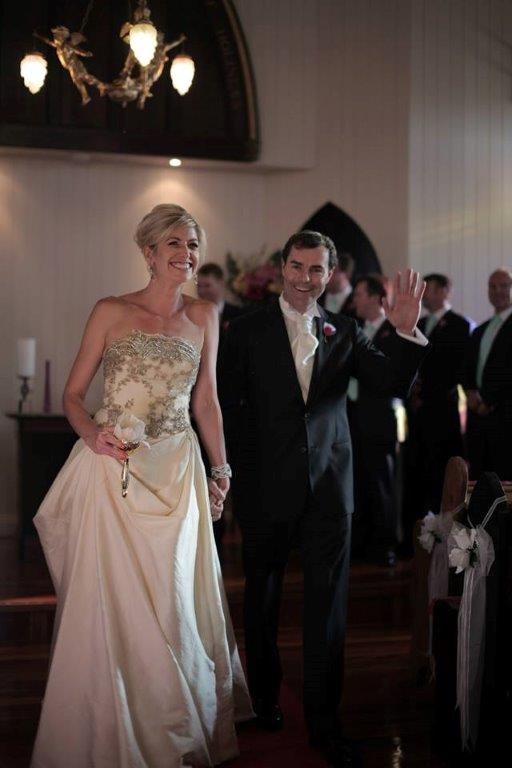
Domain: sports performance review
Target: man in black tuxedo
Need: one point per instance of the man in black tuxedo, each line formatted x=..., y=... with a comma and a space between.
x=434, y=429
x=488, y=384
x=373, y=428
x=285, y=378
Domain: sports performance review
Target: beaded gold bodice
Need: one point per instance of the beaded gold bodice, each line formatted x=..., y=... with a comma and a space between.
x=150, y=375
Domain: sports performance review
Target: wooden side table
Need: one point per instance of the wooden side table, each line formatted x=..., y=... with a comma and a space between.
x=44, y=443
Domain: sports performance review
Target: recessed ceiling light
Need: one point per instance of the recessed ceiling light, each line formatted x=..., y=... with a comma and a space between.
x=175, y=162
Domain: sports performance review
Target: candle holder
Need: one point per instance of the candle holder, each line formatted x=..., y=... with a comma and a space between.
x=24, y=392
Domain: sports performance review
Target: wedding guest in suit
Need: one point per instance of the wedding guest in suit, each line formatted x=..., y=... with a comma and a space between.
x=488, y=384
x=338, y=292
x=373, y=429
x=434, y=429
x=211, y=286
x=287, y=369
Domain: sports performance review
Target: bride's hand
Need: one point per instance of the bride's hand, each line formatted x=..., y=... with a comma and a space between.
x=216, y=496
x=103, y=442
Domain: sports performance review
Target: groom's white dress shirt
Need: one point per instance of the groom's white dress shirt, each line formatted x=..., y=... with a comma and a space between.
x=303, y=341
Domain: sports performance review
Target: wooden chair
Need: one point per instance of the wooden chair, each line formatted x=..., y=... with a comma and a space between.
x=454, y=494
x=495, y=702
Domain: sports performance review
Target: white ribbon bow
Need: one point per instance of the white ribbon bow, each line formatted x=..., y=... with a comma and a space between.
x=435, y=530
x=473, y=553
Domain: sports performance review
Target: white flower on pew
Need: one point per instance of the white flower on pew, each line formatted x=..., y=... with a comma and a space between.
x=431, y=531
x=464, y=554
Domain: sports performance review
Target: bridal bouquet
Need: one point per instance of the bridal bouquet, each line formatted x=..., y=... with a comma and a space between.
x=132, y=432
x=254, y=278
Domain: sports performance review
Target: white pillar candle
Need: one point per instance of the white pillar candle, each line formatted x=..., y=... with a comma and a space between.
x=26, y=357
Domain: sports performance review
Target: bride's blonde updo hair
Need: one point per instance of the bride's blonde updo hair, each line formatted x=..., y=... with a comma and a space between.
x=158, y=224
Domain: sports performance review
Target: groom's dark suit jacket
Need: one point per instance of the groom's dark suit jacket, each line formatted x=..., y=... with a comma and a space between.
x=284, y=451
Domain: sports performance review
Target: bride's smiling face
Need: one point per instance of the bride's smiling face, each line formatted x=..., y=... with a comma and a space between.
x=175, y=258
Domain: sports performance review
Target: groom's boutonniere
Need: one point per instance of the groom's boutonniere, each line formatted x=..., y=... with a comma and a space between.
x=329, y=330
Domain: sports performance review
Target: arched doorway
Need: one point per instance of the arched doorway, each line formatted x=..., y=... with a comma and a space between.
x=347, y=236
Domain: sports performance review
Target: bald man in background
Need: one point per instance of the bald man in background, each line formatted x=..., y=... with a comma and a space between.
x=488, y=384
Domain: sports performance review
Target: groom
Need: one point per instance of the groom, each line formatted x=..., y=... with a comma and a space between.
x=286, y=369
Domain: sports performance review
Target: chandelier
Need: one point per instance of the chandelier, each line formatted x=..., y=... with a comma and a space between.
x=144, y=63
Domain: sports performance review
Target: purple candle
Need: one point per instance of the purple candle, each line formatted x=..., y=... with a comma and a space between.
x=47, y=402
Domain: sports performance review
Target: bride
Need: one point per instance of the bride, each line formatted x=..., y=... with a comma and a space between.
x=145, y=672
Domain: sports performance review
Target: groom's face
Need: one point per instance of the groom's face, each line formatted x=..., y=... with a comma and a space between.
x=305, y=274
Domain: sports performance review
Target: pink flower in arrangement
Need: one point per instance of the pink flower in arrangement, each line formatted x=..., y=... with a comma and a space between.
x=329, y=329
x=260, y=281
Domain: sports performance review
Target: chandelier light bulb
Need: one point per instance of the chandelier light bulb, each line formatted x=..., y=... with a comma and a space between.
x=143, y=42
x=182, y=73
x=175, y=162
x=33, y=68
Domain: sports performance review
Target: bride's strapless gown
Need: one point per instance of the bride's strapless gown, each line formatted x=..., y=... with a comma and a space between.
x=145, y=672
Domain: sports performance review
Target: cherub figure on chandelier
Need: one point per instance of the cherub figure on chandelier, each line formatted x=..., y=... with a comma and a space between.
x=66, y=45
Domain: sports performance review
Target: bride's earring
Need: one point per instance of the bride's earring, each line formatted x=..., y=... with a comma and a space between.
x=151, y=271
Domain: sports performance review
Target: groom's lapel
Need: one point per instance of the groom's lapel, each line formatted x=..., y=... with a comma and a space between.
x=324, y=349
x=280, y=357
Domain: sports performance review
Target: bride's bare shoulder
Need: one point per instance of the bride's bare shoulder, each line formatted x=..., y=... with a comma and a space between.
x=201, y=312
x=110, y=306
x=107, y=313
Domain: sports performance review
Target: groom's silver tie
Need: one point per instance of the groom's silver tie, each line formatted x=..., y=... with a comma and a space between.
x=307, y=342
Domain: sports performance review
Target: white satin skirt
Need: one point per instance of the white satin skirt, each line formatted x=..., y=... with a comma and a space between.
x=144, y=672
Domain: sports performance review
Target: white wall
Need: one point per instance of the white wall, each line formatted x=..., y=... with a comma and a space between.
x=360, y=104
x=460, y=185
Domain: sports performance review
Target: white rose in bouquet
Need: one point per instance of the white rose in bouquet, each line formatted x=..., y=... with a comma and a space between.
x=130, y=429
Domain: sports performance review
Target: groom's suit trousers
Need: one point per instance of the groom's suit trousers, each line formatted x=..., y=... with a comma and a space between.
x=324, y=544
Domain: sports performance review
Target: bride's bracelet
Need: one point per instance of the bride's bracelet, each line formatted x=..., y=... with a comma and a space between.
x=223, y=470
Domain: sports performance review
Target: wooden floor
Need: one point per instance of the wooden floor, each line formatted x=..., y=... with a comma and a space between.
x=383, y=709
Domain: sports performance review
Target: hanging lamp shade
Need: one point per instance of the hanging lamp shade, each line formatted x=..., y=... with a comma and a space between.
x=33, y=68
x=182, y=73
x=143, y=42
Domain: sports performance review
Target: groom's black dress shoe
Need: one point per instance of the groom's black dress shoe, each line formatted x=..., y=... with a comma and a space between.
x=339, y=752
x=268, y=716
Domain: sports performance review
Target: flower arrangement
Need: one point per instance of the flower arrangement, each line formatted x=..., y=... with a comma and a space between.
x=254, y=278
x=431, y=531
